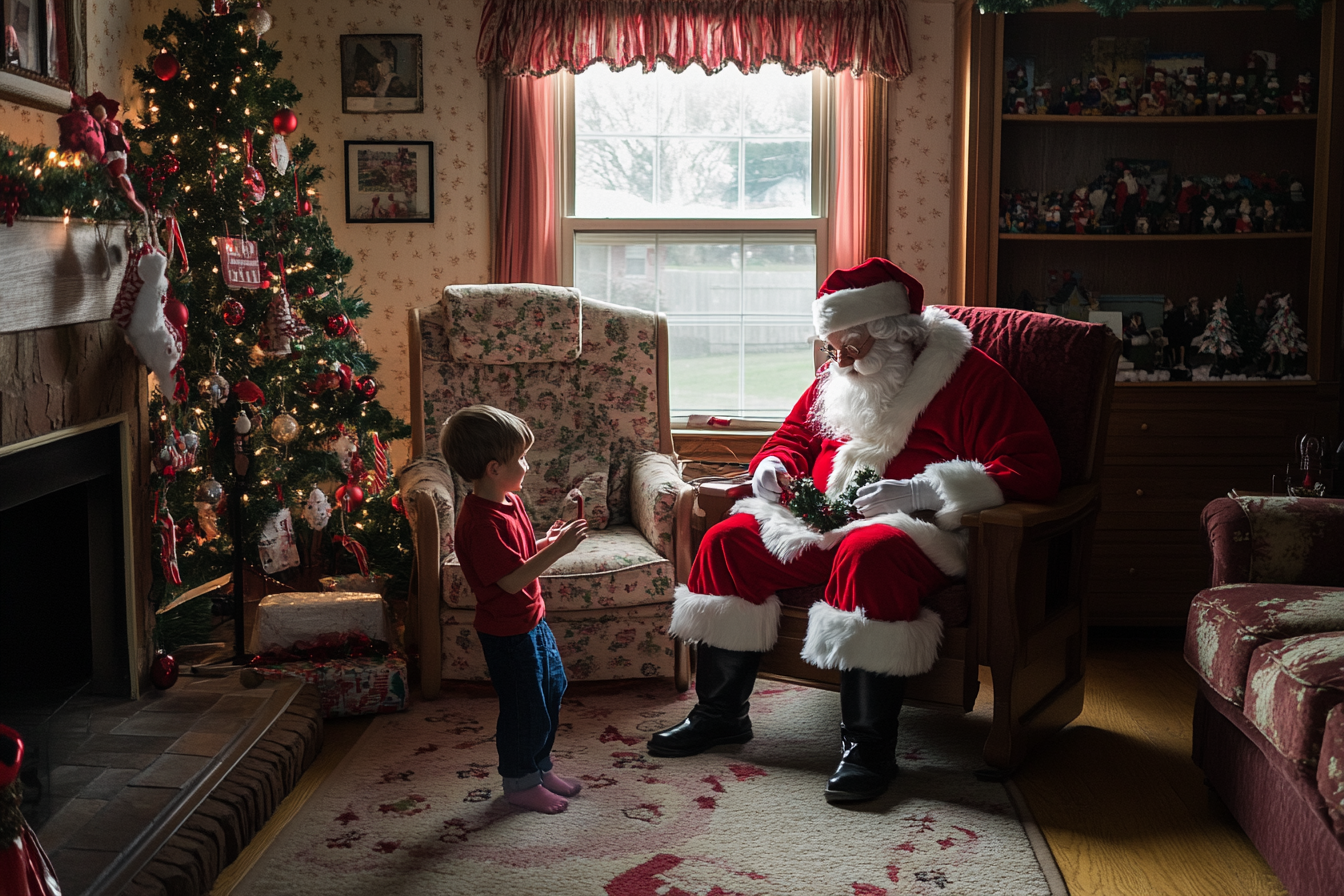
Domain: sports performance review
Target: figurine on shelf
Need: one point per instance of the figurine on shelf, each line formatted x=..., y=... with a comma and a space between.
x=1080, y=212
x=1269, y=96
x=1211, y=93
x=1267, y=218
x=1142, y=225
x=1130, y=196
x=1054, y=212
x=1014, y=101
x=1193, y=319
x=1158, y=88
x=1297, y=102
x=1239, y=96
x=1040, y=104
x=1185, y=208
x=1092, y=96
x=1225, y=94
x=1298, y=216
x=104, y=111
x=1073, y=96
x=1304, y=90
x=1137, y=344
x=1192, y=100
x=1210, y=222
x=1123, y=100
x=1173, y=327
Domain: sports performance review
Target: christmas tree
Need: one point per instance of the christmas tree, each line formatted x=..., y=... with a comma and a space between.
x=270, y=432
x=1220, y=340
x=1285, y=342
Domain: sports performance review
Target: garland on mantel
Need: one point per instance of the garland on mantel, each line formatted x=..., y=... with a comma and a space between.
x=1117, y=8
x=39, y=182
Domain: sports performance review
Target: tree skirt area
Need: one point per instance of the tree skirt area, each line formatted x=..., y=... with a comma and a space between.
x=417, y=807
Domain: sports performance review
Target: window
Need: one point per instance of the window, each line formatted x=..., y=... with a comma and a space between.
x=42, y=63
x=702, y=197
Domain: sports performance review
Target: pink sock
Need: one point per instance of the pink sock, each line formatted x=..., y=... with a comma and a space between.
x=538, y=799
x=563, y=786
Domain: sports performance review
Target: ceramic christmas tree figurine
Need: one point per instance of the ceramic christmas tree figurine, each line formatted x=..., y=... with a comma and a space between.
x=1220, y=339
x=1285, y=343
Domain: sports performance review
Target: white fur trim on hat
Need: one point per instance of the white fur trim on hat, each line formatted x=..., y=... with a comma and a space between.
x=843, y=639
x=847, y=308
x=725, y=621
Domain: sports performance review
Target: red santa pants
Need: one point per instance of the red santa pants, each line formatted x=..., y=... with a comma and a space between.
x=877, y=568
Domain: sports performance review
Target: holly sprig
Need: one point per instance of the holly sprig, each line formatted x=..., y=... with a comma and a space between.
x=811, y=505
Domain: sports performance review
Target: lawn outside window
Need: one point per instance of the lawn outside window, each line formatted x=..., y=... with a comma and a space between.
x=703, y=198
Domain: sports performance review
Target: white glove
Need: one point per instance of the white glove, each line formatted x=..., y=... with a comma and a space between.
x=892, y=495
x=766, y=481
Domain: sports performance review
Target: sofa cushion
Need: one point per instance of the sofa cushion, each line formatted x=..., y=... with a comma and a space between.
x=615, y=567
x=1227, y=624
x=1295, y=540
x=1330, y=769
x=1291, y=687
x=513, y=323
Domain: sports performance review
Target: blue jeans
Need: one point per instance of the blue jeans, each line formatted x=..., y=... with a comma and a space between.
x=529, y=679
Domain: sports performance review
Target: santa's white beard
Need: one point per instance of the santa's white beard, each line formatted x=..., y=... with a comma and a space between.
x=852, y=400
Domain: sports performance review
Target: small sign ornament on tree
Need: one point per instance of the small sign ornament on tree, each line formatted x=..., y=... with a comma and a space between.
x=811, y=505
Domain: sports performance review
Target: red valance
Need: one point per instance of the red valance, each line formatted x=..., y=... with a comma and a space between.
x=541, y=37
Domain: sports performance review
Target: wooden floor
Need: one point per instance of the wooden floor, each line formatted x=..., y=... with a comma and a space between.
x=1124, y=809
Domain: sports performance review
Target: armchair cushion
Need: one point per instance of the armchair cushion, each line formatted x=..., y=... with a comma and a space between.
x=513, y=323
x=612, y=568
x=1293, y=540
x=1294, y=684
x=561, y=474
x=1330, y=770
x=1228, y=623
x=654, y=487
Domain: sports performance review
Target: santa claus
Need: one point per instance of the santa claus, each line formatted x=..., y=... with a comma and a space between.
x=949, y=432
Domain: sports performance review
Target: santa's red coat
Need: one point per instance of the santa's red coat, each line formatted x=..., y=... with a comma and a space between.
x=960, y=420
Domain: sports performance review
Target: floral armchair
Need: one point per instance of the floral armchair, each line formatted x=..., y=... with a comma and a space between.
x=590, y=379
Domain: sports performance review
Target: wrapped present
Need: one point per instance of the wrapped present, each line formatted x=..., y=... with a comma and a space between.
x=284, y=620
x=352, y=685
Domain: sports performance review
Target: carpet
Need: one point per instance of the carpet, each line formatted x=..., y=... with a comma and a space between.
x=417, y=807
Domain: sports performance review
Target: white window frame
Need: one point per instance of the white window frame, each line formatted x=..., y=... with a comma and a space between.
x=817, y=224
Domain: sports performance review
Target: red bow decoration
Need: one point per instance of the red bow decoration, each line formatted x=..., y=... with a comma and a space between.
x=248, y=391
x=354, y=547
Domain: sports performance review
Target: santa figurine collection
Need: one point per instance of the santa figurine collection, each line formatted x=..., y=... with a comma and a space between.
x=919, y=427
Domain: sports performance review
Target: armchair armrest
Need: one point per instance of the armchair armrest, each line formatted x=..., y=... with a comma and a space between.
x=1290, y=541
x=660, y=507
x=427, y=494
x=1071, y=504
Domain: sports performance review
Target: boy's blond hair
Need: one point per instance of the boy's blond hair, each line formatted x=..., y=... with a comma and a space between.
x=476, y=435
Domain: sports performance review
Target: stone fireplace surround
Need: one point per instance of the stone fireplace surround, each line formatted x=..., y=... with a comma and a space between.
x=215, y=756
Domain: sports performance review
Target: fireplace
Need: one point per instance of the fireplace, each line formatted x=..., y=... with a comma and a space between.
x=67, y=620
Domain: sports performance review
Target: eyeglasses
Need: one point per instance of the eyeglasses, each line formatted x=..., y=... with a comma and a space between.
x=852, y=352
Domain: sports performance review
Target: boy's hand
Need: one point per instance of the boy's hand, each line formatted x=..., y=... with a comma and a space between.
x=552, y=533
x=570, y=534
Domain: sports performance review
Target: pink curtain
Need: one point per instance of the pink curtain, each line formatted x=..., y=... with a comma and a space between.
x=525, y=232
x=541, y=37
x=858, y=213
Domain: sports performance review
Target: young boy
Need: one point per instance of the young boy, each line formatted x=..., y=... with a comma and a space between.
x=501, y=560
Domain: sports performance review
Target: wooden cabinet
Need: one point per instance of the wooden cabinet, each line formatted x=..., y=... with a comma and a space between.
x=1171, y=447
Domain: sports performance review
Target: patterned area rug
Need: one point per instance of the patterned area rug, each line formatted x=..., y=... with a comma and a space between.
x=416, y=807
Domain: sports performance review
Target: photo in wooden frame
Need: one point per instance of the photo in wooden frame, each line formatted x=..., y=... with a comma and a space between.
x=389, y=180
x=382, y=73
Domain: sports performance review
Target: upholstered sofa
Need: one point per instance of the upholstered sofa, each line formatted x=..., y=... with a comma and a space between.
x=1267, y=640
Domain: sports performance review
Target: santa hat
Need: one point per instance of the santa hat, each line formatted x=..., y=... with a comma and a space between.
x=877, y=288
x=11, y=755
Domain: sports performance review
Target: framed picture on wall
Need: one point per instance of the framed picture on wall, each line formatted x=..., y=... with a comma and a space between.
x=389, y=180
x=382, y=73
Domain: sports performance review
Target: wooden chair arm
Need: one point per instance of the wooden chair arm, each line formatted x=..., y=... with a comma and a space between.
x=1072, y=504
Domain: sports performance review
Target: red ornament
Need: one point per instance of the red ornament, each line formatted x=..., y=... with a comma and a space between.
x=305, y=208
x=349, y=497
x=169, y=164
x=366, y=387
x=166, y=66
x=345, y=376
x=163, y=670
x=285, y=121
x=397, y=504
x=176, y=313
x=234, y=312
x=338, y=325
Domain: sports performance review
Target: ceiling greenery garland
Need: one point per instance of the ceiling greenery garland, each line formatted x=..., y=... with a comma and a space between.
x=1304, y=8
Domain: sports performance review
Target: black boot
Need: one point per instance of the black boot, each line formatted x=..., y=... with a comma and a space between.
x=723, y=682
x=870, y=709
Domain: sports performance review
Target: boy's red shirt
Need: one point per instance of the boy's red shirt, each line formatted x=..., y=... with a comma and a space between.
x=493, y=540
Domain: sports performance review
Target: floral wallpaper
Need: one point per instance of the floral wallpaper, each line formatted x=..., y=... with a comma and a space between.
x=919, y=150
x=404, y=266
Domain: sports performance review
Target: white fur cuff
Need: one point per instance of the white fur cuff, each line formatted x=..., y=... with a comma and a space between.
x=725, y=621
x=965, y=488
x=840, y=639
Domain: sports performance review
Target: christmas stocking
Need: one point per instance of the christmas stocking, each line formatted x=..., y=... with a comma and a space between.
x=139, y=310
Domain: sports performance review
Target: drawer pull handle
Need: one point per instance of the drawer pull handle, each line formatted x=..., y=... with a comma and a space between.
x=1131, y=570
x=1143, y=427
x=1138, y=492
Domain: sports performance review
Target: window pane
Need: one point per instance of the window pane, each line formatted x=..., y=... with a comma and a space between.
x=727, y=144
x=695, y=103
x=739, y=311
x=778, y=174
x=614, y=176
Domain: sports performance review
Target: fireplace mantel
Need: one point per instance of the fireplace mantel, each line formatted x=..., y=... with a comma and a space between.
x=58, y=273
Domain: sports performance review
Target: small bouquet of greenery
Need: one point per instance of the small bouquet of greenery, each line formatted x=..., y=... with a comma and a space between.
x=811, y=505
